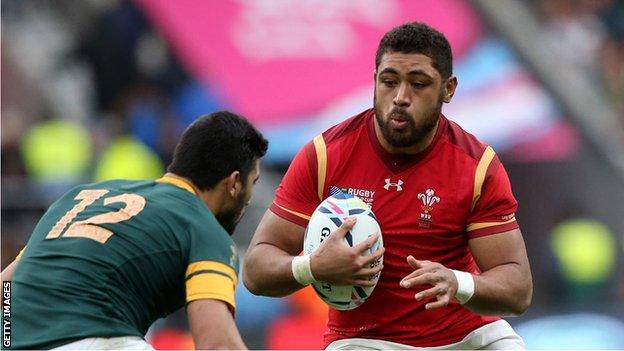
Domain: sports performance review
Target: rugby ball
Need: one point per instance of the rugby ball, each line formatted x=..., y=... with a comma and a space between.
x=327, y=217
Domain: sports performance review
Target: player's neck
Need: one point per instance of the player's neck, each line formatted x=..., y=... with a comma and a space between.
x=214, y=198
x=409, y=150
x=185, y=180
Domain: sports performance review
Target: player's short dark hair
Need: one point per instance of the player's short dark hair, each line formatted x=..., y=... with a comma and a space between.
x=418, y=38
x=214, y=146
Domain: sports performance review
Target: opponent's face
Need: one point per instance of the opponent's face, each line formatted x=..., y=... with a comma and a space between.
x=409, y=93
x=232, y=214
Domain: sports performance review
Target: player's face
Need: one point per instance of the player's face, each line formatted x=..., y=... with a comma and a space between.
x=230, y=217
x=409, y=93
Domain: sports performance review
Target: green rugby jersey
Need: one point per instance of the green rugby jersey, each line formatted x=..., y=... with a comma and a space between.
x=108, y=259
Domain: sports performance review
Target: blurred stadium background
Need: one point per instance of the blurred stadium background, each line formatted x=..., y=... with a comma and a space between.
x=102, y=89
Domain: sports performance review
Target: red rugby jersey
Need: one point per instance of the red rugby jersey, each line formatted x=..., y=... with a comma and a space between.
x=428, y=205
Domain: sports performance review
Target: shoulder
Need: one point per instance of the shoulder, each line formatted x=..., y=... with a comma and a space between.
x=315, y=150
x=465, y=142
x=347, y=127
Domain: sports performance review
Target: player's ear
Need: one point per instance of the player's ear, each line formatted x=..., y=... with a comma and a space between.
x=234, y=184
x=449, y=88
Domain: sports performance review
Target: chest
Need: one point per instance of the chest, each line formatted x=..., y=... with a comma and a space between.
x=430, y=197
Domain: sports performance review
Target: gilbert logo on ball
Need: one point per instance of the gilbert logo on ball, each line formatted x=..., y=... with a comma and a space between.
x=327, y=217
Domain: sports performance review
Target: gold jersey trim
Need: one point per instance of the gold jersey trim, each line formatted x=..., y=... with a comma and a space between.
x=484, y=163
x=321, y=162
x=177, y=182
x=475, y=226
x=298, y=214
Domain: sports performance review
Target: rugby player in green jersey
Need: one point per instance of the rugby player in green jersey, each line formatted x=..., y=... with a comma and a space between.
x=108, y=259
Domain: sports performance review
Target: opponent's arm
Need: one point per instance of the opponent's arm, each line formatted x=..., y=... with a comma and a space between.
x=212, y=326
x=504, y=287
x=268, y=262
x=7, y=273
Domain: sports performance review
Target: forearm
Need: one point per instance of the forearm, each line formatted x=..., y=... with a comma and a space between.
x=212, y=325
x=505, y=290
x=267, y=271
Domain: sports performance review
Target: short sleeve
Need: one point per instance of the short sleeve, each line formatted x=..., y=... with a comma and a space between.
x=212, y=272
x=495, y=206
x=297, y=196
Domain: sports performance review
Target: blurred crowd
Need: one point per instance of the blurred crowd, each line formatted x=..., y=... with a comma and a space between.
x=590, y=35
x=91, y=91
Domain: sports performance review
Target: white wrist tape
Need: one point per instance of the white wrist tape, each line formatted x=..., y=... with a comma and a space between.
x=465, y=286
x=301, y=270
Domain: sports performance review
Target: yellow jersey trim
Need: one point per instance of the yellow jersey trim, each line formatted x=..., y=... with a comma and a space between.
x=321, y=162
x=475, y=226
x=210, y=286
x=219, y=267
x=298, y=214
x=177, y=182
x=484, y=163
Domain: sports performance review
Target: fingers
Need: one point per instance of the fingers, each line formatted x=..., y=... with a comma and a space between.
x=365, y=283
x=367, y=272
x=435, y=291
x=442, y=301
x=365, y=276
x=416, y=273
x=414, y=263
x=374, y=256
x=425, y=278
x=344, y=228
x=367, y=244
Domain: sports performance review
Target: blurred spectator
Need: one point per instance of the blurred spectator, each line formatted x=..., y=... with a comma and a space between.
x=57, y=154
x=57, y=150
x=590, y=35
x=126, y=157
x=611, y=61
x=586, y=253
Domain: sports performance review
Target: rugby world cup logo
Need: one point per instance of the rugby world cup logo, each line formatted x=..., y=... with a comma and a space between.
x=428, y=199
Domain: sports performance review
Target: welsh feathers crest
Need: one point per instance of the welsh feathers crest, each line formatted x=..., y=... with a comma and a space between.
x=428, y=199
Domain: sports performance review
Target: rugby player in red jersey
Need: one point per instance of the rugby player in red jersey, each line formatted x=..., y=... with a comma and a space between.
x=454, y=259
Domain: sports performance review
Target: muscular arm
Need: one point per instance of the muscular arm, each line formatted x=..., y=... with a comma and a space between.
x=505, y=286
x=212, y=326
x=267, y=265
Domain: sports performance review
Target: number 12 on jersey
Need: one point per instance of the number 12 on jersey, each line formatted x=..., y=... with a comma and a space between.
x=89, y=228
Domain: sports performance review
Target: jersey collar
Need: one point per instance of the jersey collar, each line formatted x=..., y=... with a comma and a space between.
x=177, y=182
x=400, y=162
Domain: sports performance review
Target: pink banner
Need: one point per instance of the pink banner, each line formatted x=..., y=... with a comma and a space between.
x=277, y=60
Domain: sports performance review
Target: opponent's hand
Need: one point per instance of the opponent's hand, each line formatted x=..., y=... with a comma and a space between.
x=335, y=262
x=431, y=273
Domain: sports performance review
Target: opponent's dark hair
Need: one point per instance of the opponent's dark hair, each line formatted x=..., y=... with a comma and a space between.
x=214, y=146
x=418, y=38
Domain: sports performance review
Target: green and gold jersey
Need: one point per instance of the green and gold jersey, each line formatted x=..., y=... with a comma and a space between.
x=108, y=259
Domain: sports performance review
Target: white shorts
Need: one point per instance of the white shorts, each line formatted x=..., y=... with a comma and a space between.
x=116, y=343
x=497, y=335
